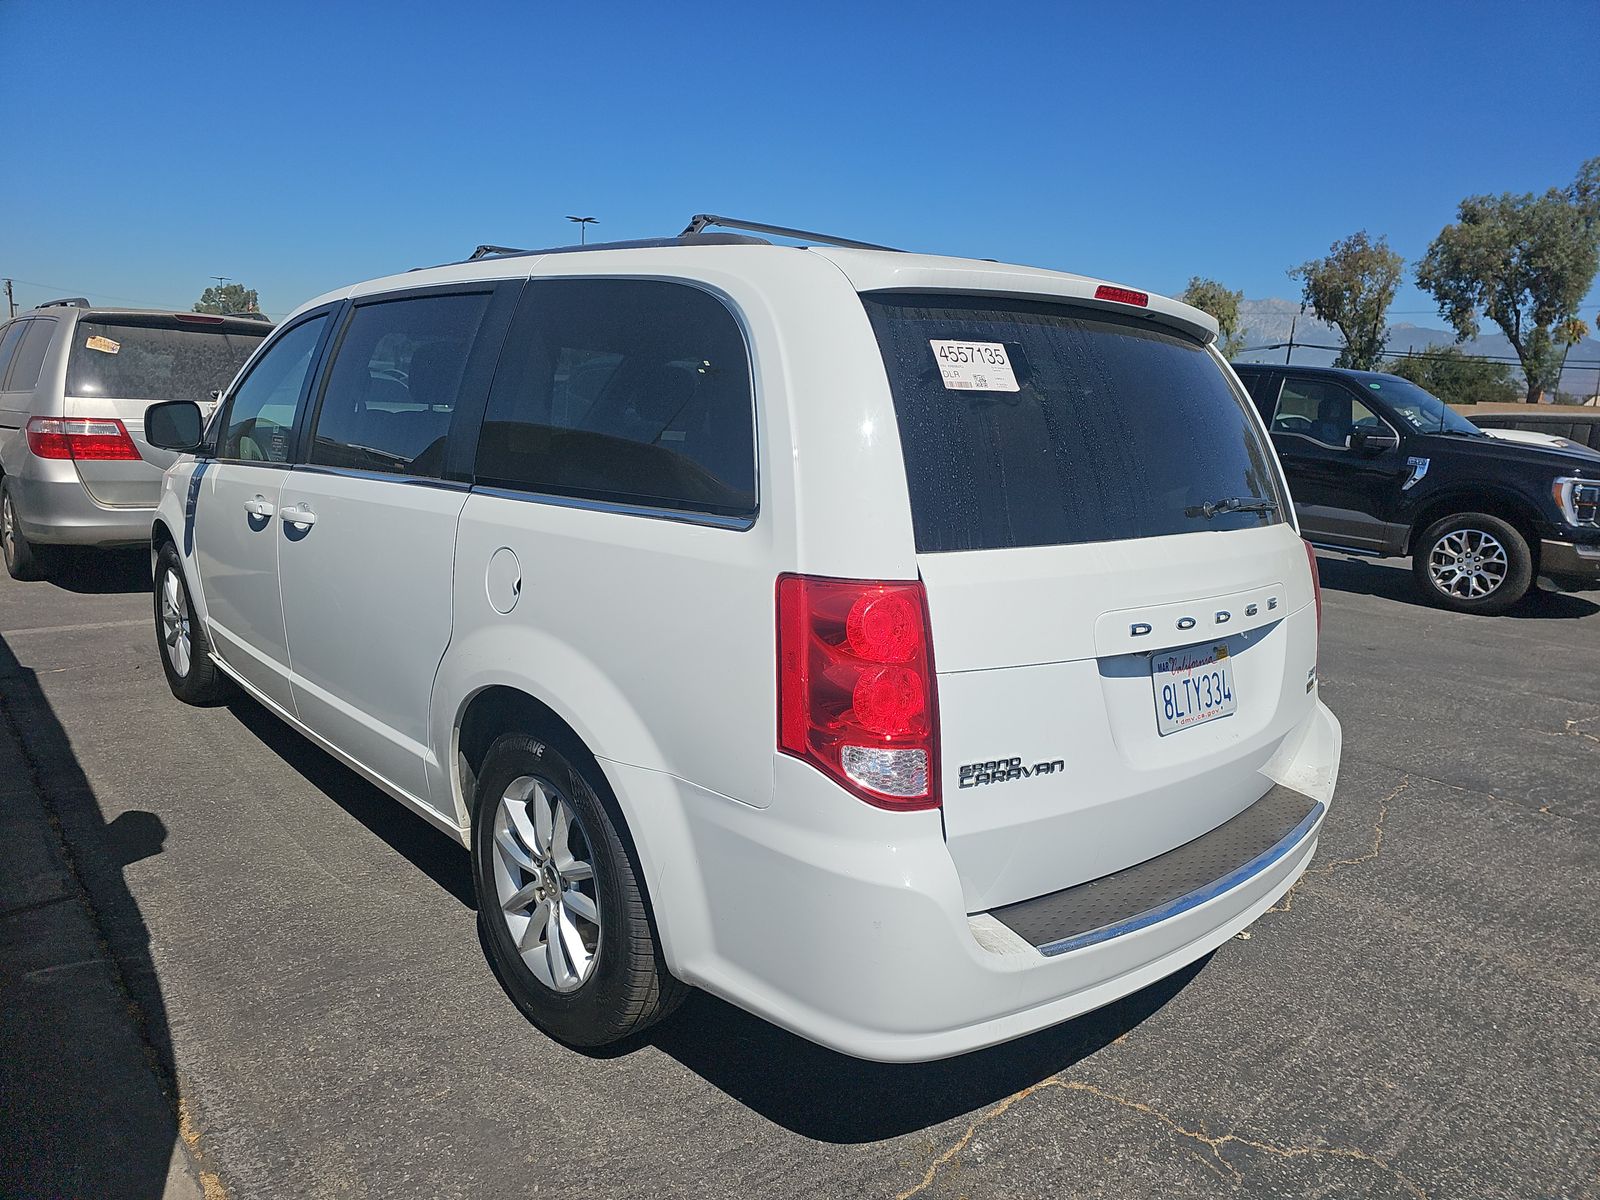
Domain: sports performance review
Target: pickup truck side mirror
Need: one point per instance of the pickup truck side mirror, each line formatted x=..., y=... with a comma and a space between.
x=1374, y=441
x=175, y=425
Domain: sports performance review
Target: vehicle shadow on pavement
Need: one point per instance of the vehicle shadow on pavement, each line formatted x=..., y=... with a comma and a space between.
x=1391, y=581
x=87, y=1078
x=831, y=1097
x=100, y=572
x=430, y=851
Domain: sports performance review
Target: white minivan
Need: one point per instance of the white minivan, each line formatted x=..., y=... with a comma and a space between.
x=914, y=651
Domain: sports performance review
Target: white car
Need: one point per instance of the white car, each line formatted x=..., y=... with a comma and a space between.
x=916, y=652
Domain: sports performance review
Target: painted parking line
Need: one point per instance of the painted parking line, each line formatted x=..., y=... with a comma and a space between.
x=11, y=633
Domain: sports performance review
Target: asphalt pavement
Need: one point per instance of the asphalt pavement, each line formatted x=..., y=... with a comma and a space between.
x=295, y=963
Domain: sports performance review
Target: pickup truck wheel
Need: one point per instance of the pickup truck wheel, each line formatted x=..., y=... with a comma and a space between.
x=1473, y=563
x=560, y=910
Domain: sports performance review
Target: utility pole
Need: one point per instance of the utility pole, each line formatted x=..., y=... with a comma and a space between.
x=583, y=224
x=221, y=279
x=10, y=300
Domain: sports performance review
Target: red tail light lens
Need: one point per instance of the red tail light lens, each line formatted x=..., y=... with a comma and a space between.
x=856, y=691
x=1316, y=582
x=1122, y=295
x=82, y=438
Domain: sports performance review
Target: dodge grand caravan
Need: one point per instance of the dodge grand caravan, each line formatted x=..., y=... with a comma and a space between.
x=914, y=651
x=75, y=467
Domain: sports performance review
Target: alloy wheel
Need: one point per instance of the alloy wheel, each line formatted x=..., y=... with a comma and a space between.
x=545, y=882
x=175, y=633
x=1468, y=564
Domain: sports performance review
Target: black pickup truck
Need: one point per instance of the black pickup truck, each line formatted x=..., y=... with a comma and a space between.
x=1379, y=466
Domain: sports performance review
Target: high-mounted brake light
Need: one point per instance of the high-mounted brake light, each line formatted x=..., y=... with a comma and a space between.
x=1316, y=582
x=856, y=691
x=96, y=439
x=199, y=318
x=1122, y=295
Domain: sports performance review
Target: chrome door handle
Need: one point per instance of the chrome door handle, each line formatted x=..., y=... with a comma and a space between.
x=259, y=507
x=299, y=516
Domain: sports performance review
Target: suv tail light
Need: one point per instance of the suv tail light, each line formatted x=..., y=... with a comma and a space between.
x=857, y=696
x=83, y=438
x=1316, y=583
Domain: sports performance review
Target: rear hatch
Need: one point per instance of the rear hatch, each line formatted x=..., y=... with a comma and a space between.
x=1122, y=616
x=121, y=363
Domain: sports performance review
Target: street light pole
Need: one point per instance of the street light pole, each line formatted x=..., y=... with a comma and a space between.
x=583, y=224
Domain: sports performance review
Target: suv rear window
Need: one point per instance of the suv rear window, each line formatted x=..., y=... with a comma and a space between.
x=130, y=361
x=1115, y=430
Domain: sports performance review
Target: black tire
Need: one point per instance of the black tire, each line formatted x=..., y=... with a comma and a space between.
x=193, y=678
x=1472, y=538
x=23, y=558
x=628, y=987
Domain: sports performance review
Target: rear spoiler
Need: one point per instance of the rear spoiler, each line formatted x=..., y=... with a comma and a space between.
x=897, y=273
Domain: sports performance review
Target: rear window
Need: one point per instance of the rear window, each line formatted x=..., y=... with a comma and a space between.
x=1094, y=428
x=151, y=362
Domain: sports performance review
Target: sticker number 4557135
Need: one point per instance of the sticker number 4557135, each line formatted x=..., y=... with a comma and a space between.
x=974, y=366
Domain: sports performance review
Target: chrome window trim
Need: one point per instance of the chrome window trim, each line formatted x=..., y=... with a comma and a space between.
x=679, y=516
x=454, y=485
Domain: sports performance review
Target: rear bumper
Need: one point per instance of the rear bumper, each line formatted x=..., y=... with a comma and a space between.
x=845, y=924
x=54, y=508
x=1576, y=561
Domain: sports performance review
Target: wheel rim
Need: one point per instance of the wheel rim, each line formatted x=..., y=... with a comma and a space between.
x=8, y=529
x=1468, y=564
x=545, y=882
x=175, y=637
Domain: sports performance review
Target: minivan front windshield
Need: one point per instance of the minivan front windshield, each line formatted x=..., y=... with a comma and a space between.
x=1421, y=410
x=1026, y=423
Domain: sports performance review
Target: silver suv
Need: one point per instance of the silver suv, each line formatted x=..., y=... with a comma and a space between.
x=75, y=468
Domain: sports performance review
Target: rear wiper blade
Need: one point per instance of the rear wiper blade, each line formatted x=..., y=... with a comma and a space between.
x=1231, y=504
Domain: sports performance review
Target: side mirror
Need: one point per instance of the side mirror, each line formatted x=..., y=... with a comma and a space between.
x=1374, y=441
x=175, y=425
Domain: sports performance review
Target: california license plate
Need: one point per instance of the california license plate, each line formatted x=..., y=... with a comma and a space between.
x=1192, y=687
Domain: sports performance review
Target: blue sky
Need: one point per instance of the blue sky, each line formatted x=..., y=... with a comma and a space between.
x=300, y=146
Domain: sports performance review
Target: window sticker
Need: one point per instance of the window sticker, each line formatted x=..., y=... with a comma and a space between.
x=103, y=344
x=974, y=366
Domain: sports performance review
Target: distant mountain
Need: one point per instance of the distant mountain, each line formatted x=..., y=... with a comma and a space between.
x=1267, y=322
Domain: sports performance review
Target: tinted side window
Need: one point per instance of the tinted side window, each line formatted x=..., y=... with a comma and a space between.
x=627, y=391
x=394, y=384
x=259, y=426
x=1322, y=411
x=30, y=354
x=8, y=346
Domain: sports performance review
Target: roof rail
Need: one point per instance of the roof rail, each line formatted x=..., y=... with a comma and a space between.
x=703, y=239
x=699, y=221
x=67, y=302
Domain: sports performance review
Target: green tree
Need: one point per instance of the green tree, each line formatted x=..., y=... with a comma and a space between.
x=1456, y=378
x=228, y=298
x=1351, y=289
x=1525, y=262
x=1209, y=296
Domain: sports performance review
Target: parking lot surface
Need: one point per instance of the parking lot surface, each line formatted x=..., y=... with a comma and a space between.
x=1417, y=1019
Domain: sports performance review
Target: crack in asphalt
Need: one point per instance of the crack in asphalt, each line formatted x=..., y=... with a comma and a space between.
x=1215, y=1144
x=1572, y=729
x=1327, y=868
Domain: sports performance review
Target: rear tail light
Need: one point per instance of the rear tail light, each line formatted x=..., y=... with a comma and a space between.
x=81, y=438
x=1316, y=583
x=856, y=691
x=1122, y=295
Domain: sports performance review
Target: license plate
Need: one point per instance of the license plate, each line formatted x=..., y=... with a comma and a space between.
x=1192, y=687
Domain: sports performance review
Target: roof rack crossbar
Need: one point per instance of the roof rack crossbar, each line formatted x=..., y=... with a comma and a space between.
x=699, y=221
x=492, y=252
x=66, y=302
